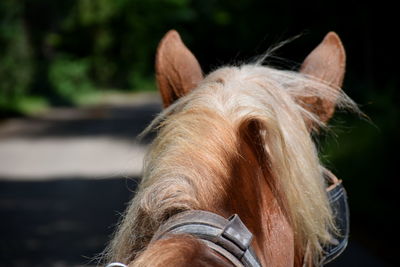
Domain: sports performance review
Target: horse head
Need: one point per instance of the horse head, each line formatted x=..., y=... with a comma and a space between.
x=237, y=141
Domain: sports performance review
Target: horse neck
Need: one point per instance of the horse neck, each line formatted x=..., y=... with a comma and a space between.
x=253, y=197
x=220, y=167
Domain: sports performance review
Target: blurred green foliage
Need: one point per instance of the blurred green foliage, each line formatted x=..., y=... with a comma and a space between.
x=59, y=49
x=70, y=77
x=16, y=63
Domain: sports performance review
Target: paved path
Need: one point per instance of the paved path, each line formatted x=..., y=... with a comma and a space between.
x=96, y=142
x=65, y=178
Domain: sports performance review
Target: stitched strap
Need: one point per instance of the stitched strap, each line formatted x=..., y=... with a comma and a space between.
x=338, y=201
x=337, y=198
x=230, y=238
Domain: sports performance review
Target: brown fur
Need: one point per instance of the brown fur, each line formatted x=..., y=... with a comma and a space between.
x=171, y=68
x=238, y=143
x=255, y=195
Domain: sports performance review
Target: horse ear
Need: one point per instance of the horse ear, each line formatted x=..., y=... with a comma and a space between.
x=177, y=69
x=327, y=64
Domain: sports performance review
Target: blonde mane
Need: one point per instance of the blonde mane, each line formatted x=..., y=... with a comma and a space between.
x=189, y=163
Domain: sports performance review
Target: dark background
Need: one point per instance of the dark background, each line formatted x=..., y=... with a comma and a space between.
x=53, y=52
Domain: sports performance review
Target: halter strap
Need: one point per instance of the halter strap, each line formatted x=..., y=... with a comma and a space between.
x=338, y=201
x=229, y=237
x=337, y=198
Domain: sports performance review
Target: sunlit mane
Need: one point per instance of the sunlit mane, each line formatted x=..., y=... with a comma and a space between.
x=189, y=162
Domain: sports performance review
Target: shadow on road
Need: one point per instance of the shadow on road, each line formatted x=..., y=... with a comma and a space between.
x=119, y=122
x=62, y=222
x=67, y=222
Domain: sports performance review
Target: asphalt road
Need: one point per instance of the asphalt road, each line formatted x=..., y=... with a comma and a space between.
x=65, y=177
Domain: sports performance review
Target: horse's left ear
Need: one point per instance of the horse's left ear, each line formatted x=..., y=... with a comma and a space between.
x=177, y=69
x=326, y=63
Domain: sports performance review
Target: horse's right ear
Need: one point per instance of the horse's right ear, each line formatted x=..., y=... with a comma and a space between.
x=177, y=69
x=327, y=64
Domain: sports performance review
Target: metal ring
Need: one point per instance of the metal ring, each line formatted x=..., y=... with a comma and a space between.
x=116, y=264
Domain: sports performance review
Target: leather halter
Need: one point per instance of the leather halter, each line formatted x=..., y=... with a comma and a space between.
x=337, y=198
x=229, y=237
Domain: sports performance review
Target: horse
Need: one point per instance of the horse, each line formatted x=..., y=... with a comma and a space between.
x=233, y=177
